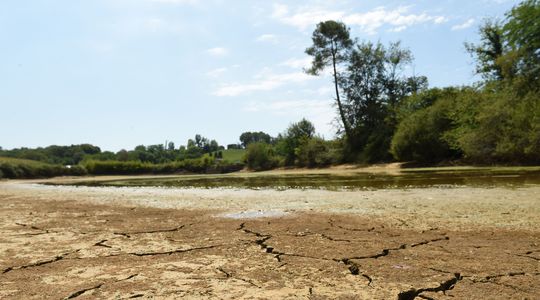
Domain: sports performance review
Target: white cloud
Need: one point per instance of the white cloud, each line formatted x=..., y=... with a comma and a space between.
x=265, y=82
x=216, y=72
x=285, y=107
x=369, y=22
x=297, y=63
x=217, y=51
x=272, y=38
x=464, y=25
x=320, y=112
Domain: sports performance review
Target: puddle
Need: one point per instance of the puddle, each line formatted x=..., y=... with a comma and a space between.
x=406, y=179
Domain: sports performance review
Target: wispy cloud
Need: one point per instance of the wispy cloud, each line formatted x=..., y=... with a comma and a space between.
x=266, y=82
x=217, y=51
x=369, y=22
x=272, y=38
x=287, y=106
x=297, y=63
x=320, y=112
x=464, y=25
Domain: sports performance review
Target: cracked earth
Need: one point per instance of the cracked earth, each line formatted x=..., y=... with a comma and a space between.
x=82, y=243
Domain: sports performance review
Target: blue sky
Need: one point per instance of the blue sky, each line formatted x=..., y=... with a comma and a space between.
x=119, y=73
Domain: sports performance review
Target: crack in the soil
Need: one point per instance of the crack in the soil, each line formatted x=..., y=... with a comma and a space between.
x=332, y=224
x=261, y=242
x=80, y=292
x=43, y=231
x=445, y=238
x=509, y=274
x=129, y=277
x=39, y=263
x=443, y=287
x=353, y=267
x=334, y=239
x=230, y=275
x=129, y=234
x=172, y=251
x=102, y=244
x=527, y=256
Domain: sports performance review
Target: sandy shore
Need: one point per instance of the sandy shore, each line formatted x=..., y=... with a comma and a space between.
x=120, y=243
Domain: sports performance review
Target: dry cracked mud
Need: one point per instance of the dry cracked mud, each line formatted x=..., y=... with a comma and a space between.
x=69, y=244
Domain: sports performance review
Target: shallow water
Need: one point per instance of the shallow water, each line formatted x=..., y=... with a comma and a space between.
x=420, y=178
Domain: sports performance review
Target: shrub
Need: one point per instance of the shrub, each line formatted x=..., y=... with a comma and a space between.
x=260, y=156
x=314, y=152
x=420, y=136
x=21, y=168
x=497, y=125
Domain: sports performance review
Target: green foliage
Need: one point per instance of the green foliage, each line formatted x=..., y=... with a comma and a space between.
x=331, y=42
x=296, y=135
x=315, y=152
x=420, y=136
x=489, y=52
x=497, y=125
x=260, y=156
x=374, y=87
x=15, y=168
x=234, y=155
x=522, y=33
x=331, y=47
x=204, y=164
x=64, y=155
x=509, y=50
x=234, y=146
x=253, y=137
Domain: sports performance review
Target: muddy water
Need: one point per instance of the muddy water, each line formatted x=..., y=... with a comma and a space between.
x=415, y=178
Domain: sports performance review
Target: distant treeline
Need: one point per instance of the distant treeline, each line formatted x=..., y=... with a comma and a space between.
x=200, y=155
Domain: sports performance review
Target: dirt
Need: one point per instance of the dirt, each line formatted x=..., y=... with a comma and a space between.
x=121, y=243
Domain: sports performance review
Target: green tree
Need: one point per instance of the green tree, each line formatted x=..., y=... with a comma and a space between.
x=374, y=86
x=331, y=47
x=260, y=156
x=296, y=135
x=252, y=137
x=522, y=33
x=489, y=52
x=420, y=136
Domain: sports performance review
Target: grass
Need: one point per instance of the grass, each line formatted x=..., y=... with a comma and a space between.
x=234, y=155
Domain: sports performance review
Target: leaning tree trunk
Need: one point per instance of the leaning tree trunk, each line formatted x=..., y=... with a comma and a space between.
x=346, y=125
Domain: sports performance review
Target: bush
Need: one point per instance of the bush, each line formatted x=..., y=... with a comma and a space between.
x=420, y=136
x=497, y=126
x=205, y=164
x=260, y=156
x=21, y=168
x=314, y=152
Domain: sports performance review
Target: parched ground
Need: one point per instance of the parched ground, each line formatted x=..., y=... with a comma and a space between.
x=121, y=243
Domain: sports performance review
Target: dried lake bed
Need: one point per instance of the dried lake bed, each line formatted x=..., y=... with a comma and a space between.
x=370, y=233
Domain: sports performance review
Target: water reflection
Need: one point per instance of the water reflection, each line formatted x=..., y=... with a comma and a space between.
x=359, y=181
